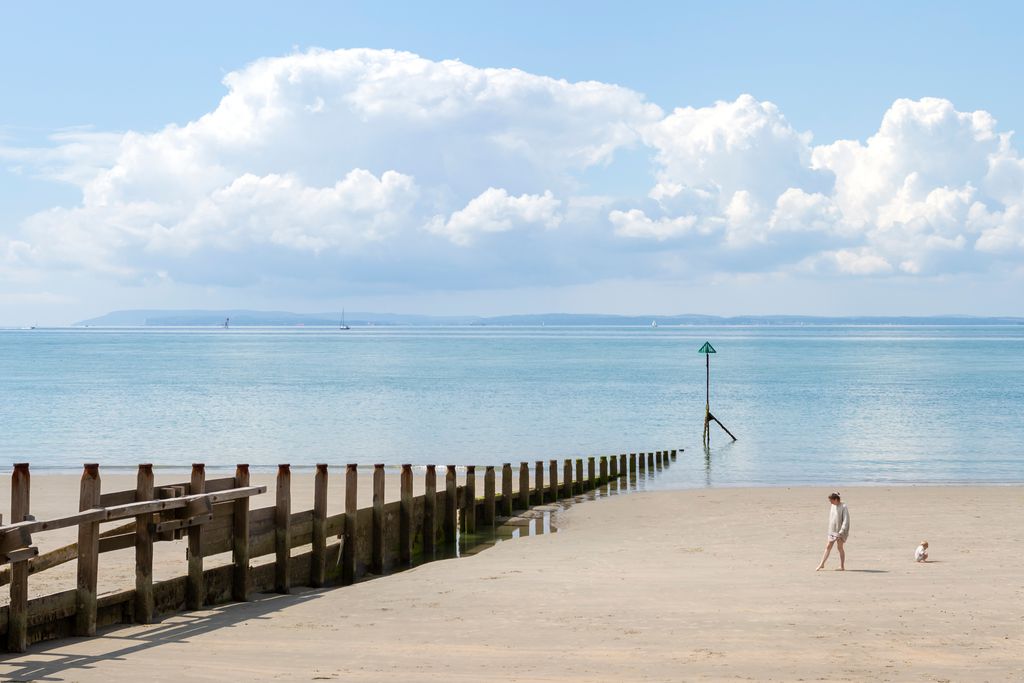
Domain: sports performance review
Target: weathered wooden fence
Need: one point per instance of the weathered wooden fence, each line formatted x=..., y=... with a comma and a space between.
x=214, y=516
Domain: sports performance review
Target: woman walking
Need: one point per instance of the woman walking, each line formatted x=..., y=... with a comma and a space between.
x=838, y=530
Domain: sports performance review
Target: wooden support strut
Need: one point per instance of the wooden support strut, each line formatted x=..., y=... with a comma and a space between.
x=88, y=553
x=538, y=473
x=377, y=537
x=429, y=511
x=489, y=503
x=195, y=589
x=318, y=554
x=240, y=580
x=283, y=530
x=405, y=517
x=348, y=548
x=145, y=605
x=17, y=622
x=578, y=481
x=567, y=478
x=553, y=484
x=524, y=485
x=506, y=489
x=469, y=501
x=451, y=505
x=591, y=472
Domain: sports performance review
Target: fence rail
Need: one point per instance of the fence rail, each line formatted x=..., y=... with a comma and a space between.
x=214, y=516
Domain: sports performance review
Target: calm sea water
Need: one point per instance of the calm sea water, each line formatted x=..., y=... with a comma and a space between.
x=813, y=405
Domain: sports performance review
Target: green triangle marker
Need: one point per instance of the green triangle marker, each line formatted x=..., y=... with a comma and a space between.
x=707, y=348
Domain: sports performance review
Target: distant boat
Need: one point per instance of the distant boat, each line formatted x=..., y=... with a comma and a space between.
x=654, y=323
x=342, y=325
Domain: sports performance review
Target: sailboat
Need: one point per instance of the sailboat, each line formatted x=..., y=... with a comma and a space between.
x=654, y=323
x=342, y=325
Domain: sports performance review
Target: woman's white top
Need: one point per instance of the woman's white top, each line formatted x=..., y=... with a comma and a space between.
x=920, y=553
x=839, y=521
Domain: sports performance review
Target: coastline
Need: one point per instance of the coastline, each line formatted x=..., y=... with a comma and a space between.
x=712, y=583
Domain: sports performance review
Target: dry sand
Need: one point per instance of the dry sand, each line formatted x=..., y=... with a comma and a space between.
x=712, y=584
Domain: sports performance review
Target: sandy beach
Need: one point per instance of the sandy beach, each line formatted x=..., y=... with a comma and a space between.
x=713, y=584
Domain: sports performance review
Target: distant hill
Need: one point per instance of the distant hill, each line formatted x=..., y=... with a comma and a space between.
x=243, y=318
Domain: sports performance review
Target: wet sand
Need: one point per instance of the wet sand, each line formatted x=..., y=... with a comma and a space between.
x=665, y=586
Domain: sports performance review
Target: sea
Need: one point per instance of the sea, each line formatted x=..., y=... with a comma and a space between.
x=825, y=405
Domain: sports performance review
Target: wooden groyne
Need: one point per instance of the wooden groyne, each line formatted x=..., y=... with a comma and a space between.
x=215, y=516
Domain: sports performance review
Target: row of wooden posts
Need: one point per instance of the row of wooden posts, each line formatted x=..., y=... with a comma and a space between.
x=215, y=516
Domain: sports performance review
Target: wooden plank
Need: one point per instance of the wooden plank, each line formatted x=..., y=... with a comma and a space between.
x=603, y=469
x=650, y=461
x=190, y=523
x=622, y=465
x=469, y=501
x=591, y=472
x=195, y=591
x=613, y=467
x=88, y=553
x=632, y=463
x=118, y=498
x=109, y=544
x=240, y=524
x=577, y=484
x=377, y=551
x=348, y=548
x=567, y=477
x=524, y=485
x=17, y=619
x=405, y=517
x=145, y=609
x=282, y=530
x=318, y=559
x=221, y=484
x=489, y=507
x=429, y=511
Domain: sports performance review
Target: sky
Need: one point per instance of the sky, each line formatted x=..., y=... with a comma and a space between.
x=494, y=158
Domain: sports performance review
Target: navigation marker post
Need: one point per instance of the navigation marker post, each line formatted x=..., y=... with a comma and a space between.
x=707, y=350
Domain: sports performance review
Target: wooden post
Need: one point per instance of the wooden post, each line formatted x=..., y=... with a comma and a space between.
x=318, y=556
x=632, y=463
x=195, y=588
x=650, y=461
x=348, y=547
x=578, y=482
x=240, y=584
x=553, y=484
x=567, y=477
x=469, y=504
x=506, y=489
x=283, y=530
x=405, y=517
x=489, y=505
x=429, y=512
x=524, y=485
x=673, y=454
x=591, y=470
x=450, y=505
x=643, y=463
x=538, y=473
x=604, y=470
x=622, y=465
x=88, y=553
x=613, y=467
x=17, y=623
x=145, y=605
x=377, y=553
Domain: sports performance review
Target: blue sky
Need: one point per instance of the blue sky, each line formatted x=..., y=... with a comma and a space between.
x=531, y=196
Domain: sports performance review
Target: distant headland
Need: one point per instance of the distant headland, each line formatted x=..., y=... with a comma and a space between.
x=250, y=318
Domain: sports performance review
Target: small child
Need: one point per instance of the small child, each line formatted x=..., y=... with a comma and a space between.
x=921, y=554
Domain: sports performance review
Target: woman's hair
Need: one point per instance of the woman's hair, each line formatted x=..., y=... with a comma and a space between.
x=834, y=496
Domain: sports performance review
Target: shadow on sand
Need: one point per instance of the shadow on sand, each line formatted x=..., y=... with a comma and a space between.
x=45, y=661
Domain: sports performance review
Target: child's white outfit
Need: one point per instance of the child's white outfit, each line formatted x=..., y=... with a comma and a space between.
x=921, y=553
